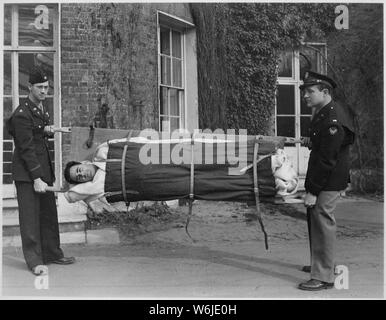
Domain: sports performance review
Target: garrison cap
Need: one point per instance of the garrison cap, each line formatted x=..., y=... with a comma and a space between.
x=312, y=78
x=37, y=75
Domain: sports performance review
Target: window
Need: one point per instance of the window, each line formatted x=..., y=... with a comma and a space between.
x=171, y=82
x=30, y=39
x=293, y=117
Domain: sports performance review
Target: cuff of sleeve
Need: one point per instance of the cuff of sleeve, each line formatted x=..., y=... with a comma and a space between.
x=36, y=172
x=314, y=191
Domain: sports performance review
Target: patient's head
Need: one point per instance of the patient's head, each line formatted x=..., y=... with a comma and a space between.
x=77, y=172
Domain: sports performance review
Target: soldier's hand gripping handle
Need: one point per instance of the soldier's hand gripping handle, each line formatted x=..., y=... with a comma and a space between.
x=52, y=129
x=306, y=142
x=39, y=185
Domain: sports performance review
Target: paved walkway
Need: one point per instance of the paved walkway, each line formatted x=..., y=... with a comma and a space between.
x=225, y=262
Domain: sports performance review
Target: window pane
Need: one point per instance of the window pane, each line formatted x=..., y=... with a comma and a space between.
x=7, y=107
x=304, y=126
x=36, y=24
x=7, y=74
x=307, y=60
x=285, y=64
x=285, y=99
x=177, y=72
x=165, y=41
x=165, y=124
x=315, y=59
x=7, y=144
x=182, y=106
x=7, y=179
x=174, y=123
x=176, y=44
x=174, y=102
x=7, y=102
x=7, y=167
x=165, y=71
x=7, y=24
x=303, y=107
x=51, y=149
x=164, y=101
x=7, y=155
x=49, y=107
x=285, y=126
x=27, y=61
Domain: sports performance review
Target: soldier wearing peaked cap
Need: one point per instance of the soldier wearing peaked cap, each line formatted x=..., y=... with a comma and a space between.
x=32, y=172
x=331, y=134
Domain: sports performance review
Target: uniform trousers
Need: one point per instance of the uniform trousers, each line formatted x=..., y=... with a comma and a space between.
x=322, y=236
x=39, y=229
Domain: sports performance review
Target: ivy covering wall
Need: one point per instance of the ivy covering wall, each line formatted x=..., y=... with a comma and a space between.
x=238, y=47
x=356, y=62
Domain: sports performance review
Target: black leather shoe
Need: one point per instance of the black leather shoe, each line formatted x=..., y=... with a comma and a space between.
x=308, y=270
x=315, y=285
x=64, y=260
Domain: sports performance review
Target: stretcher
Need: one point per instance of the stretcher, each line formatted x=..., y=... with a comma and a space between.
x=208, y=167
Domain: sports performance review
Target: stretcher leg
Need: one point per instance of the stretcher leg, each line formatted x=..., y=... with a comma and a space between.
x=188, y=219
x=259, y=218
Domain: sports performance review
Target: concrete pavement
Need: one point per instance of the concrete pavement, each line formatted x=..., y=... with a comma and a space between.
x=225, y=262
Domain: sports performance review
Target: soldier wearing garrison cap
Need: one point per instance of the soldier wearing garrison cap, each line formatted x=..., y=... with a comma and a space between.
x=37, y=76
x=32, y=172
x=331, y=134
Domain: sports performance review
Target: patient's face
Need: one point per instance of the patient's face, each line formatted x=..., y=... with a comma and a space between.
x=82, y=172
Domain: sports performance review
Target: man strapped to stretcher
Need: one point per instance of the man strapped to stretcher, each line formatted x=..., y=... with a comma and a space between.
x=123, y=170
x=103, y=177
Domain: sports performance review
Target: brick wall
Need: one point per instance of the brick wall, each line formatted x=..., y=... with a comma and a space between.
x=109, y=64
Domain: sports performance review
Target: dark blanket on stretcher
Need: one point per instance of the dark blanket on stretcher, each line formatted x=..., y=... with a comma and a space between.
x=161, y=182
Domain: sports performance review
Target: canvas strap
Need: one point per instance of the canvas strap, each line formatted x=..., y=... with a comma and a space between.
x=123, y=176
x=90, y=139
x=256, y=189
x=191, y=193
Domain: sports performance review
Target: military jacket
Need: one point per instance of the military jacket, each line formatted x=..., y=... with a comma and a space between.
x=331, y=133
x=31, y=157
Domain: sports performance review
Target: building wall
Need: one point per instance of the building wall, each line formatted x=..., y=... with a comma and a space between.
x=109, y=64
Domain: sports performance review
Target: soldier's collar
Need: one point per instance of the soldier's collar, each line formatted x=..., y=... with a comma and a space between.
x=324, y=109
x=34, y=107
x=31, y=103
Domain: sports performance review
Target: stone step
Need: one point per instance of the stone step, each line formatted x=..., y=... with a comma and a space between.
x=10, y=203
x=91, y=237
x=72, y=223
x=65, y=238
x=14, y=230
x=11, y=217
x=9, y=208
x=70, y=232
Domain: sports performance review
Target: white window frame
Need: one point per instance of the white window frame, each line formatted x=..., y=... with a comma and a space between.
x=180, y=90
x=177, y=24
x=296, y=82
x=15, y=50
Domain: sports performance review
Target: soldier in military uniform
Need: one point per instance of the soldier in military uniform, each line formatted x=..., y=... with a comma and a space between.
x=32, y=172
x=331, y=134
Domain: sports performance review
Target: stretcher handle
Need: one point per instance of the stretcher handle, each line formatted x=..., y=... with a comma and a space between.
x=56, y=189
x=62, y=129
x=54, y=129
x=302, y=140
x=256, y=190
x=294, y=201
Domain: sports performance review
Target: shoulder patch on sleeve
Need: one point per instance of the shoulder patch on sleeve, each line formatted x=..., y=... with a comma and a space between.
x=333, y=130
